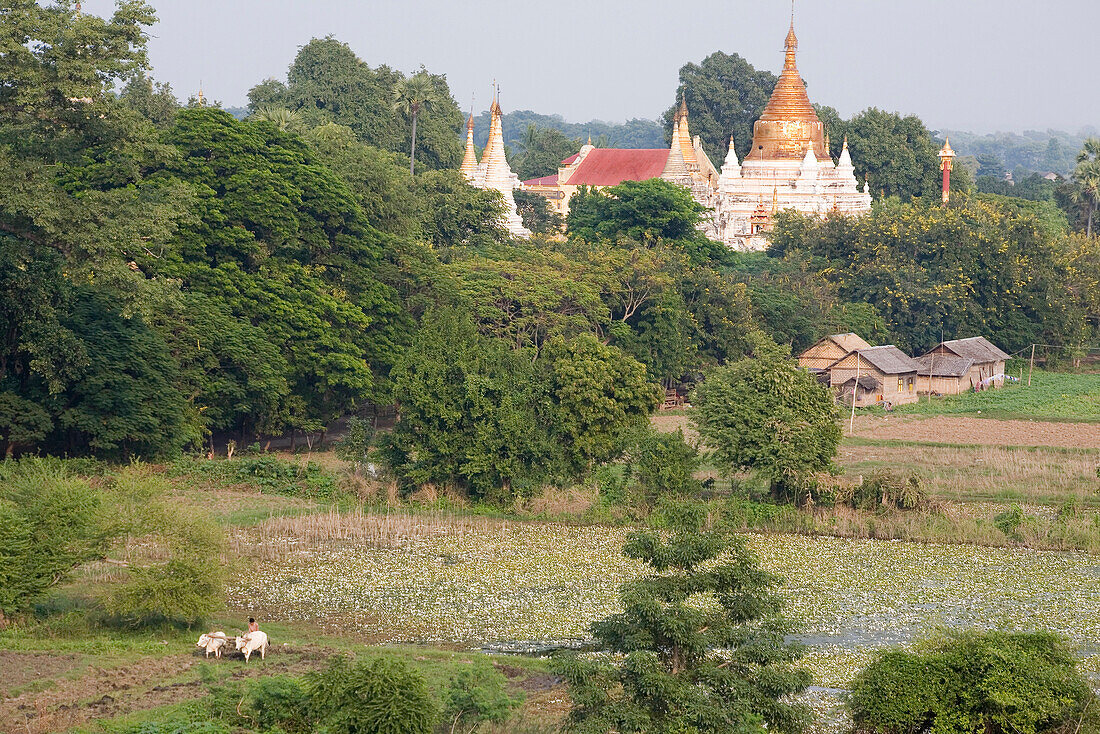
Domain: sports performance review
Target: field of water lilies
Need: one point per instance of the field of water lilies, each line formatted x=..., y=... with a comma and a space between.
x=543, y=582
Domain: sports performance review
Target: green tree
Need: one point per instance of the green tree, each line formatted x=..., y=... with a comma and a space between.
x=468, y=413
x=152, y=100
x=725, y=96
x=997, y=682
x=699, y=645
x=645, y=212
x=600, y=396
x=328, y=83
x=456, y=214
x=374, y=696
x=896, y=154
x=536, y=213
x=413, y=96
x=1086, y=181
x=765, y=414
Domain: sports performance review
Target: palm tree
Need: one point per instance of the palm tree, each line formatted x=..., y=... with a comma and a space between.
x=281, y=117
x=1086, y=179
x=411, y=97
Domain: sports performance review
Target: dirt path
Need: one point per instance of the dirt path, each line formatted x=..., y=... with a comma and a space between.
x=947, y=429
x=978, y=431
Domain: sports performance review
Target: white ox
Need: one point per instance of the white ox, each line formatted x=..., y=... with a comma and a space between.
x=252, y=642
x=212, y=642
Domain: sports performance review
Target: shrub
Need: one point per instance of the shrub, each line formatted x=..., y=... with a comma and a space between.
x=177, y=576
x=479, y=694
x=991, y=682
x=49, y=524
x=666, y=465
x=270, y=473
x=378, y=696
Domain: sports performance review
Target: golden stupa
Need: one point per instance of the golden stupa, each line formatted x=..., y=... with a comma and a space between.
x=789, y=124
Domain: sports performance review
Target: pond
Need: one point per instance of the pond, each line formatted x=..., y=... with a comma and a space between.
x=548, y=582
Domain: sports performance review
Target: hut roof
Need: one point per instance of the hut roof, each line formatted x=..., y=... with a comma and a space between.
x=944, y=365
x=849, y=342
x=866, y=382
x=888, y=359
x=977, y=348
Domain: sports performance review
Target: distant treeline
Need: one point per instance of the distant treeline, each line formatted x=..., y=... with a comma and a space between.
x=630, y=134
x=1038, y=151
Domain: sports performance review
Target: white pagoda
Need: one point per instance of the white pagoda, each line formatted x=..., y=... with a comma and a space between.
x=493, y=172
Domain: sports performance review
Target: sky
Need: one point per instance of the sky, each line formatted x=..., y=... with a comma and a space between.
x=979, y=65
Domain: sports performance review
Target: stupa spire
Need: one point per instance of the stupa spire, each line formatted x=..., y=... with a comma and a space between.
x=789, y=121
x=469, y=161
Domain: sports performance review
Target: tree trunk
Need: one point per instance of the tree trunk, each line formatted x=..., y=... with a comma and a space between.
x=1088, y=231
x=412, y=152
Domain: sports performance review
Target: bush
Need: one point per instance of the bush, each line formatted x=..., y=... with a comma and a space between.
x=479, y=694
x=270, y=473
x=376, y=696
x=991, y=682
x=49, y=524
x=666, y=465
x=177, y=577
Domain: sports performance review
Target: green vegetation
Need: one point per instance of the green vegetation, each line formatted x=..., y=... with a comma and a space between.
x=702, y=646
x=764, y=414
x=994, y=682
x=1051, y=396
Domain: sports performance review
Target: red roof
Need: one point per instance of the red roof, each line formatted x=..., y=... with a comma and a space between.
x=551, y=180
x=612, y=166
x=570, y=159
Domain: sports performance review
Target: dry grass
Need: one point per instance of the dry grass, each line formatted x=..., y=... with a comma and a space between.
x=985, y=473
x=278, y=537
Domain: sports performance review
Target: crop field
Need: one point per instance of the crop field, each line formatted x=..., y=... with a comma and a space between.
x=548, y=582
x=1051, y=396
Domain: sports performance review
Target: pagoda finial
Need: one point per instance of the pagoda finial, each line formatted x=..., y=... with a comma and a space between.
x=590, y=138
x=683, y=105
x=201, y=98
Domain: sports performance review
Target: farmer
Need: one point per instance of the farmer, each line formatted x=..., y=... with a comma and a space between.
x=252, y=626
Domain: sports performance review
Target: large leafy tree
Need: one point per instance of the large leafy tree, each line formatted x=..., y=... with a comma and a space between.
x=599, y=395
x=644, y=211
x=930, y=269
x=765, y=414
x=895, y=153
x=699, y=645
x=469, y=413
x=327, y=82
x=725, y=95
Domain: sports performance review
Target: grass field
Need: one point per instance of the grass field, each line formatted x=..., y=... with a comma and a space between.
x=1051, y=396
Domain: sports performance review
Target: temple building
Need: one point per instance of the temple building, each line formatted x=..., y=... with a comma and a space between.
x=493, y=171
x=788, y=167
x=683, y=162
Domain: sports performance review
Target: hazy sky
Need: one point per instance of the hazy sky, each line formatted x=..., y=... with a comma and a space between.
x=982, y=65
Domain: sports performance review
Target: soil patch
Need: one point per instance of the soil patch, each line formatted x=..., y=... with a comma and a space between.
x=23, y=668
x=104, y=693
x=978, y=431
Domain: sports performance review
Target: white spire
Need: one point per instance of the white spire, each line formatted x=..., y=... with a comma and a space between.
x=731, y=170
x=845, y=157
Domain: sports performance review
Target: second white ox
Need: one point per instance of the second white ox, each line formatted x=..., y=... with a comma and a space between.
x=252, y=642
x=212, y=642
